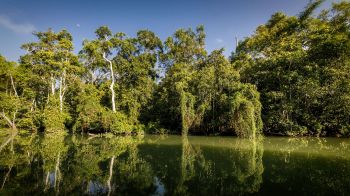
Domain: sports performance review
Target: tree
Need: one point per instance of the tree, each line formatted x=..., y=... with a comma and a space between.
x=182, y=53
x=204, y=92
x=15, y=104
x=132, y=63
x=99, y=50
x=9, y=97
x=303, y=85
x=51, y=65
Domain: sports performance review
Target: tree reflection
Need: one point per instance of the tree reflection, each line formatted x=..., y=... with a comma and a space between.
x=189, y=157
x=308, y=165
x=248, y=165
x=62, y=164
x=134, y=176
x=98, y=161
x=236, y=168
x=53, y=150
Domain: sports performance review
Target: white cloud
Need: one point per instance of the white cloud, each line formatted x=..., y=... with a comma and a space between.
x=78, y=25
x=24, y=28
x=218, y=40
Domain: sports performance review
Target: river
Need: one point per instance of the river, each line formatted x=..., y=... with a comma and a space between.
x=59, y=164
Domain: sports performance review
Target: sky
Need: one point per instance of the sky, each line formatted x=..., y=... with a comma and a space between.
x=223, y=19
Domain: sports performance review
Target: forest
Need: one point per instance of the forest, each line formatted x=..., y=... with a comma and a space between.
x=290, y=77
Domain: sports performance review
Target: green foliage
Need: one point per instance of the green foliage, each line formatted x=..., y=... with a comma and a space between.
x=301, y=67
x=89, y=109
x=53, y=120
x=14, y=97
x=116, y=122
x=245, y=112
x=292, y=74
x=155, y=128
x=93, y=117
x=204, y=92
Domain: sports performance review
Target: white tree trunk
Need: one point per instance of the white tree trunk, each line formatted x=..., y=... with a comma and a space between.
x=13, y=120
x=61, y=103
x=47, y=179
x=110, y=175
x=57, y=170
x=113, y=81
x=33, y=105
x=62, y=88
x=13, y=86
x=47, y=185
x=52, y=85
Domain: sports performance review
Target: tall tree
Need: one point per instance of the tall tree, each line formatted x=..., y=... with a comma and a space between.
x=9, y=99
x=204, y=92
x=304, y=86
x=51, y=65
x=99, y=50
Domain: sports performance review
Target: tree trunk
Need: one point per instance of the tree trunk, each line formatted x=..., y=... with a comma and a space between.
x=13, y=120
x=61, y=102
x=47, y=181
x=33, y=105
x=110, y=175
x=62, y=89
x=57, y=170
x=52, y=85
x=113, y=81
x=13, y=86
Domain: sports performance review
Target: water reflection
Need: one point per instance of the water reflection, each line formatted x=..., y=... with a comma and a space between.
x=61, y=164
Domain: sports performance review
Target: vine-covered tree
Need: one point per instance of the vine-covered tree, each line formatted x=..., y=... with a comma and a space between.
x=202, y=91
x=300, y=65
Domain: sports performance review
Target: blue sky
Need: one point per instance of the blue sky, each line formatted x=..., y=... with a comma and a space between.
x=223, y=19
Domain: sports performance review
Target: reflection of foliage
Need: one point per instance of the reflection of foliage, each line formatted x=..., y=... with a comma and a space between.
x=188, y=159
x=172, y=165
x=52, y=147
x=14, y=160
x=92, y=156
x=249, y=166
x=193, y=164
x=308, y=165
x=244, y=176
x=134, y=173
x=93, y=159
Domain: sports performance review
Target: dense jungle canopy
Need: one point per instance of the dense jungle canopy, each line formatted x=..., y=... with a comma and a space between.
x=291, y=77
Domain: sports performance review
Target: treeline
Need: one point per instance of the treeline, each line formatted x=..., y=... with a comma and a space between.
x=293, y=74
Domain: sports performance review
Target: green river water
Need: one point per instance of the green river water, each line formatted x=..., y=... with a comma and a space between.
x=173, y=165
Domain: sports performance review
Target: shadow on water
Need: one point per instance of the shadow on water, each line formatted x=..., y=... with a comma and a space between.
x=61, y=164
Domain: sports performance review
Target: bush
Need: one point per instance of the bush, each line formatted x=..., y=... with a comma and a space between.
x=155, y=128
x=52, y=118
x=116, y=123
